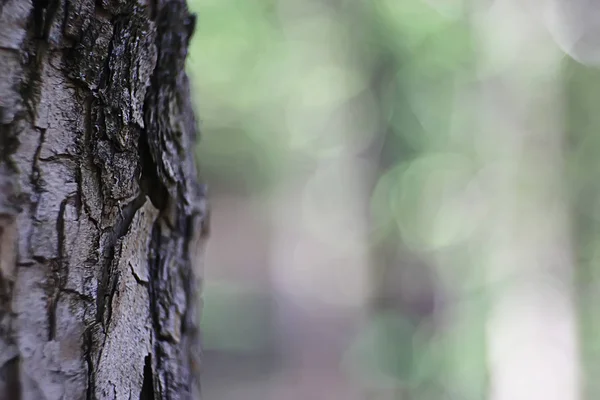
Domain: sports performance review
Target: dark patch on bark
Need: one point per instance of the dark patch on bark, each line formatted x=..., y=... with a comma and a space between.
x=148, y=383
x=8, y=144
x=88, y=345
x=40, y=22
x=44, y=12
x=10, y=384
x=151, y=185
x=154, y=264
x=35, y=177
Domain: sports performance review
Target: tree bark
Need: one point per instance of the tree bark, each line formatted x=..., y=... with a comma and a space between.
x=102, y=220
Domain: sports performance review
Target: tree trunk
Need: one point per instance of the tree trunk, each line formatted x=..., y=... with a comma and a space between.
x=102, y=220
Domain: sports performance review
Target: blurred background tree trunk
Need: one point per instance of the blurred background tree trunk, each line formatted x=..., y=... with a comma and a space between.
x=101, y=216
x=528, y=250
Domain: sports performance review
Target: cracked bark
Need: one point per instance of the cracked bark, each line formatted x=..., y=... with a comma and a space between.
x=102, y=221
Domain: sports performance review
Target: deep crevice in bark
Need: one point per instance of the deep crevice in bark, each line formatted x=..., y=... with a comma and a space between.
x=148, y=382
x=10, y=385
x=153, y=268
x=44, y=12
x=88, y=343
x=40, y=22
x=150, y=183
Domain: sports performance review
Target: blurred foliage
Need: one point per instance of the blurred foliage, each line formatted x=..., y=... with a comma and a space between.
x=273, y=77
x=231, y=308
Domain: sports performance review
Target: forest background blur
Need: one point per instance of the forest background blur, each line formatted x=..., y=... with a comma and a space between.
x=405, y=198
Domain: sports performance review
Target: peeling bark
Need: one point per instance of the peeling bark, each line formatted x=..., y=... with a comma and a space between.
x=102, y=220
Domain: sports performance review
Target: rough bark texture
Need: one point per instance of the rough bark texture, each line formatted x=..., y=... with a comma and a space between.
x=101, y=216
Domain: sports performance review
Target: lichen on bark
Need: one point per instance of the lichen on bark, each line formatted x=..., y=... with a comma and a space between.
x=101, y=214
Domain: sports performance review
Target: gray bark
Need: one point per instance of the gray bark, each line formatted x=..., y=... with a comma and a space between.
x=102, y=220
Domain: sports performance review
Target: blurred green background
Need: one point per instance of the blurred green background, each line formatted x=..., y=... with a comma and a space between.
x=383, y=175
